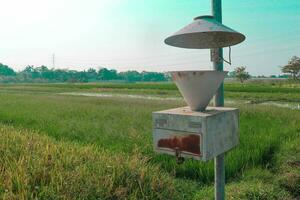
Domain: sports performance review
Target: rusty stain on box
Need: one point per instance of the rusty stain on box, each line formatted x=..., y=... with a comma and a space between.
x=198, y=135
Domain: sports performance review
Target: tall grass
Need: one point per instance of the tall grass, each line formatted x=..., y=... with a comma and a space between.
x=37, y=167
x=122, y=125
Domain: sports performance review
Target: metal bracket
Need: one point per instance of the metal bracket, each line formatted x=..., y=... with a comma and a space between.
x=215, y=56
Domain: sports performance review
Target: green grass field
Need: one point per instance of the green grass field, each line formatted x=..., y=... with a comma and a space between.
x=59, y=146
x=257, y=91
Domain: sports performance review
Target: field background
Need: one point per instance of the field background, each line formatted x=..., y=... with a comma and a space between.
x=94, y=141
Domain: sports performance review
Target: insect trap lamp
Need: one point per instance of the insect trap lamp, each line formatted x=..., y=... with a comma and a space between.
x=198, y=131
x=198, y=87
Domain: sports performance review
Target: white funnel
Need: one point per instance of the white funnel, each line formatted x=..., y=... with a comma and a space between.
x=198, y=87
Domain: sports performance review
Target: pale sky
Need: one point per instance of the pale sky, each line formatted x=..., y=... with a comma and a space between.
x=129, y=34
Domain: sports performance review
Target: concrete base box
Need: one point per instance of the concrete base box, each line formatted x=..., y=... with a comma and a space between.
x=197, y=135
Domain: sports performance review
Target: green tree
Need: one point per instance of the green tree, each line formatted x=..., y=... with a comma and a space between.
x=241, y=74
x=6, y=71
x=106, y=74
x=231, y=74
x=91, y=74
x=61, y=75
x=131, y=76
x=292, y=68
x=29, y=69
x=27, y=73
x=153, y=76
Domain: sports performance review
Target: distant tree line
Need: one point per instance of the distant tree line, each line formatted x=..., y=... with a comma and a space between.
x=44, y=74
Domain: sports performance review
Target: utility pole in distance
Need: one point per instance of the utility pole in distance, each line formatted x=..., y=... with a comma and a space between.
x=53, y=60
x=219, y=102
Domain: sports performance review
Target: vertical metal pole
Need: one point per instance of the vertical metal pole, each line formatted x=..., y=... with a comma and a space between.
x=219, y=101
x=220, y=177
x=53, y=60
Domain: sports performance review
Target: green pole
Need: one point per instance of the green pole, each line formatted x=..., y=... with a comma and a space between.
x=218, y=64
x=219, y=101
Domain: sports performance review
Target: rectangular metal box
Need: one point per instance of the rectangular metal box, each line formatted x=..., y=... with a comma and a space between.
x=197, y=135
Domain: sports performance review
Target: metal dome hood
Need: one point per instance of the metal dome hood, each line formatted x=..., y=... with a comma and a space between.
x=205, y=33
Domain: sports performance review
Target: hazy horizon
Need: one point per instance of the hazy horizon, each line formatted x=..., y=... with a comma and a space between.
x=129, y=34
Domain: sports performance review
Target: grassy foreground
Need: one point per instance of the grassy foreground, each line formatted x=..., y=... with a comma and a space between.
x=72, y=147
x=37, y=167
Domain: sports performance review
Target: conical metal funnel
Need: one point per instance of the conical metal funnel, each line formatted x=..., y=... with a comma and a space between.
x=205, y=33
x=198, y=87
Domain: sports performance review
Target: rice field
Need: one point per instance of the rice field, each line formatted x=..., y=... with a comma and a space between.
x=60, y=146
